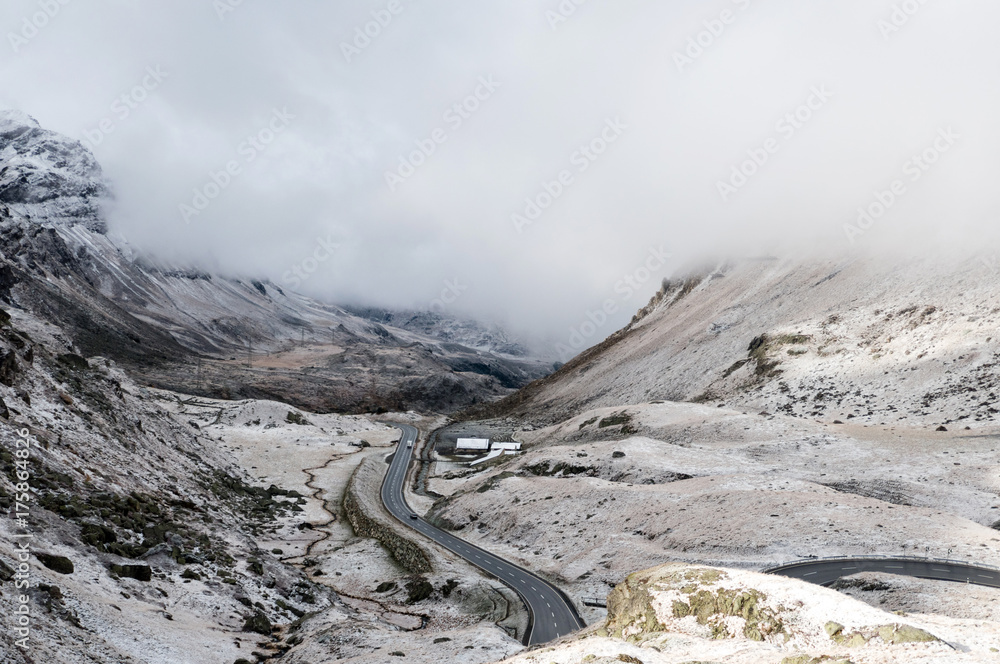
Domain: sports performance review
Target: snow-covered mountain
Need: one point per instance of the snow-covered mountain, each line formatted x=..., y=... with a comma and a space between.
x=47, y=176
x=182, y=328
x=466, y=332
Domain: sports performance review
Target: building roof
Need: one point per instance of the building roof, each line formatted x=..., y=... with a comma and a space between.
x=473, y=444
x=507, y=446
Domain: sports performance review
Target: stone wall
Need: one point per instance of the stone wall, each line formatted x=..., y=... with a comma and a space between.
x=369, y=518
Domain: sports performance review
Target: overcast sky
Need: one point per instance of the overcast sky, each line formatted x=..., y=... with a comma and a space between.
x=643, y=109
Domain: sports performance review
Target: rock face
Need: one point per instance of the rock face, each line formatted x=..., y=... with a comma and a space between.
x=220, y=336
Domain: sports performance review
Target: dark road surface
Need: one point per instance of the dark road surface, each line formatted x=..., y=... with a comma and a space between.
x=552, y=614
x=825, y=571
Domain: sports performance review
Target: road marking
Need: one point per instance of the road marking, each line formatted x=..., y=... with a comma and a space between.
x=848, y=568
x=935, y=569
x=809, y=574
x=983, y=576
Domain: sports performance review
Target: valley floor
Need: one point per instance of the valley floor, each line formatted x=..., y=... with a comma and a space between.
x=589, y=502
x=316, y=455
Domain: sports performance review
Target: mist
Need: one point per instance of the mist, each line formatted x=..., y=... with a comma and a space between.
x=540, y=164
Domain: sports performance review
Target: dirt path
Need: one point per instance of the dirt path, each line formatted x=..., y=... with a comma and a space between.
x=317, y=494
x=386, y=610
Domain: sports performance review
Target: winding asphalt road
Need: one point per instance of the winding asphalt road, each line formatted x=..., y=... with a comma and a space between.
x=824, y=572
x=552, y=613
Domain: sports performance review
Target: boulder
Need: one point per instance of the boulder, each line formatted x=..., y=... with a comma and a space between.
x=8, y=367
x=137, y=572
x=59, y=564
x=258, y=623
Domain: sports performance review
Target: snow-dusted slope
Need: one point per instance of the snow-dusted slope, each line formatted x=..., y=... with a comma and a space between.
x=881, y=341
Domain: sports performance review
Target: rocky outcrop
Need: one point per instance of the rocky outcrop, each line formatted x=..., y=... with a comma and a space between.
x=369, y=518
x=632, y=612
x=893, y=634
x=696, y=614
x=718, y=604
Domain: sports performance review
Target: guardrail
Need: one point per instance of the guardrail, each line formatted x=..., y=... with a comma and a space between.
x=816, y=559
x=594, y=601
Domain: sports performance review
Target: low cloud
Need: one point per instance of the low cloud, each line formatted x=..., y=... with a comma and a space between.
x=399, y=153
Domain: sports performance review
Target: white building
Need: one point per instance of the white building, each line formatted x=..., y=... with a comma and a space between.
x=507, y=447
x=474, y=444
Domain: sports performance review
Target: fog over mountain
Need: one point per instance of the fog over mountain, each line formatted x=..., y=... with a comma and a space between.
x=521, y=162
